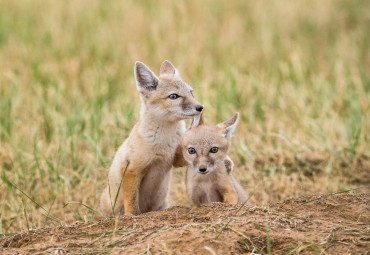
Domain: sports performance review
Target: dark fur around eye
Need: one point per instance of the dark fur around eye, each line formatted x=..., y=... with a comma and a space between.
x=173, y=96
x=213, y=150
x=191, y=150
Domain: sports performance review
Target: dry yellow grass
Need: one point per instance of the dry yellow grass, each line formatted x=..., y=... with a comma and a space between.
x=297, y=71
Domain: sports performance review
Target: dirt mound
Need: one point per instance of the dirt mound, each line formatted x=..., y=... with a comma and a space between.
x=326, y=224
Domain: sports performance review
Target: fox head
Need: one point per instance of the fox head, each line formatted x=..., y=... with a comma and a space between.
x=167, y=96
x=205, y=147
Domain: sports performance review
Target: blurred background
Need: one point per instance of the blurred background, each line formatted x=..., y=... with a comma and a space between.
x=297, y=71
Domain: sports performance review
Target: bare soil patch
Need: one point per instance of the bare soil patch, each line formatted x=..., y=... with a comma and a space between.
x=320, y=224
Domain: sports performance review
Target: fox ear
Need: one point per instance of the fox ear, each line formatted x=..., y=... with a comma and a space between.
x=229, y=164
x=197, y=121
x=167, y=68
x=229, y=125
x=145, y=78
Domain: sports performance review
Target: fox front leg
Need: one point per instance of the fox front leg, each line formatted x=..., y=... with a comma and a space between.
x=230, y=197
x=130, y=187
x=228, y=192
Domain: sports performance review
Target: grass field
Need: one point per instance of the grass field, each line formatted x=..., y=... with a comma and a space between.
x=297, y=71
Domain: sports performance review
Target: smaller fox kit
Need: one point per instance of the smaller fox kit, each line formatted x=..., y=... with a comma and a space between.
x=208, y=176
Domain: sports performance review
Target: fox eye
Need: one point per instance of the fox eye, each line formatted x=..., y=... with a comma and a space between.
x=173, y=96
x=213, y=150
x=191, y=150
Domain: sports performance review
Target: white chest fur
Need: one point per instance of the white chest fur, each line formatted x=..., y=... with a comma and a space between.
x=163, y=138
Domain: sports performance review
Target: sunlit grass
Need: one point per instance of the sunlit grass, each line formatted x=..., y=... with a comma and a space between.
x=297, y=71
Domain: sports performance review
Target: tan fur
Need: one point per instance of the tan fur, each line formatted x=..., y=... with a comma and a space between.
x=149, y=151
x=217, y=184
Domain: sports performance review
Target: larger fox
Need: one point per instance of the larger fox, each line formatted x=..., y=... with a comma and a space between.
x=139, y=177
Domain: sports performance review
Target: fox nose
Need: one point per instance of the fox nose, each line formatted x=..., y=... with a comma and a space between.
x=202, y=169
x=199, y=108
